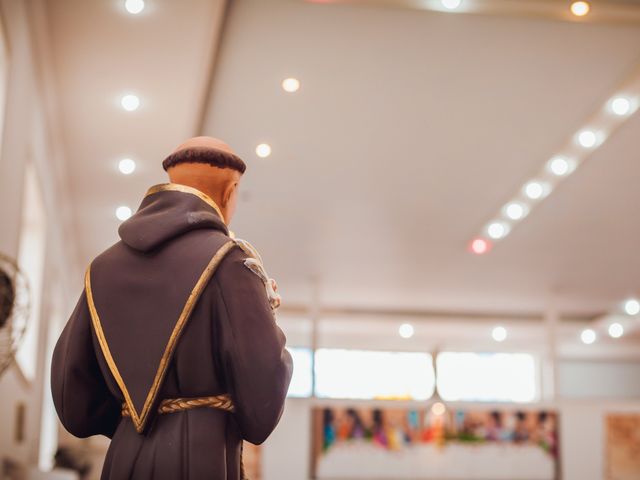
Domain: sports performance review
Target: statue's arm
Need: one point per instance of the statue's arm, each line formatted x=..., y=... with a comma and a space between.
x=82, y=399
x=257, y=367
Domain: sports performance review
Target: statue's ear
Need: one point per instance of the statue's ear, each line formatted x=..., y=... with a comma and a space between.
x=228, y=192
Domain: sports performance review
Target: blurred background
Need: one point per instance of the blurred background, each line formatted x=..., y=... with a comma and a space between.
x=445, y=190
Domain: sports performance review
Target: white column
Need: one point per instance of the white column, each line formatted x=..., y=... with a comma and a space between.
x=550, y=380
x=314, y=316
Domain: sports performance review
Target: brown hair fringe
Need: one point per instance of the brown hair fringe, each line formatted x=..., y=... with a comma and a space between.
x=209, y=156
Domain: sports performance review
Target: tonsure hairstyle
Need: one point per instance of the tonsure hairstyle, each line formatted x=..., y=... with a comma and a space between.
x=209, y=156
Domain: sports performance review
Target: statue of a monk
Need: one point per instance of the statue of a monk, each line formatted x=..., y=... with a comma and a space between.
x=173, y=351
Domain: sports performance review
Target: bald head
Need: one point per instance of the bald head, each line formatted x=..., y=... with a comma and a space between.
x=209, y=165
x=205, y=142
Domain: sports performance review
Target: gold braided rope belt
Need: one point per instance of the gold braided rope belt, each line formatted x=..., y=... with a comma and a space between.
x=171, y=405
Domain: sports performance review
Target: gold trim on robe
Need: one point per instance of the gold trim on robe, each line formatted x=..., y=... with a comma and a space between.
x=140, y=418
x=176, y=187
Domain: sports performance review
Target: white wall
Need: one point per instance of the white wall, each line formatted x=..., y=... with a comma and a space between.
x=582, y=432
x=29, y=134
x=599, y=379
x=287, y=452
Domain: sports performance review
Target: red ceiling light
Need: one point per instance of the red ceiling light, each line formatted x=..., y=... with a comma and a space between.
x=480, y=246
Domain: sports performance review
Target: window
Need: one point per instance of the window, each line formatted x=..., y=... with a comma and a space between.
x=301, y=380
x=4, y=76
x=360, y=374
x=31, y=261
x=487, y=377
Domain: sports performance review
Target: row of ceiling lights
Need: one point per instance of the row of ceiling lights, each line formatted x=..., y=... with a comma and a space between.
x=579, y=9
x=588, y=335
x=556, y=169
x=131, y=102
x=538, y=188
x=631, y=307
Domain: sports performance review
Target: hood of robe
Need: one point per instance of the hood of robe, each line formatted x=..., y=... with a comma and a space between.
x=168, y=211
x=141, y=290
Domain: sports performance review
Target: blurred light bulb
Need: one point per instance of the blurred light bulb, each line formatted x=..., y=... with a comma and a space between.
x=123, y=213
x=632, y=306
x=130, y=102
x=561, y=166
x=438, y=409
x=499, y=334
x=588, y=336
x=263, y=150
x=587, y=138
x=291, y=85
x=480, y=246
x=134, y=6
x=533, y=190
x=616, y=330
x=536, y=190
x=515, y=211
x=497, y=230
x=580, y=9
x=620, y=106
x=451, y=4
x=406, y=330
x=126, y=166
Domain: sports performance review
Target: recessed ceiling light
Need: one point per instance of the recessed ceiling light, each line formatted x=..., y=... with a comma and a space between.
x=632, y=306
x=126, y=166
x=536, y=190
x=480, y=246
x=515, y=210
x=291, y=85
x=130, y=102
x=134, y=6
x=406, y=330
x=263, y=150
x=499, y=334
x=588, y=336
x=451, y=4
x=561, y=166
x=587, y=138
x=621, y=106
x=616, y=330
x=438, y=409
x=498, y=230
x=123, y=213
x=580, y=9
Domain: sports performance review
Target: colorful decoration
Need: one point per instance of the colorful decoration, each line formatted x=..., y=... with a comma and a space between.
x=406, y=434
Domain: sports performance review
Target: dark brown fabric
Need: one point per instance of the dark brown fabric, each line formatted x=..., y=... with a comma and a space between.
x=231, y=344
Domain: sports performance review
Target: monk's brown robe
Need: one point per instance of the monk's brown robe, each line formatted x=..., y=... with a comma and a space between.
x=135, y=294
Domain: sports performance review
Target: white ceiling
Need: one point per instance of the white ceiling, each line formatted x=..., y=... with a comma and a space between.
x=100, y=52
x=410, y=130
